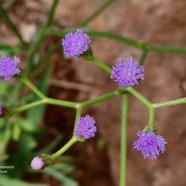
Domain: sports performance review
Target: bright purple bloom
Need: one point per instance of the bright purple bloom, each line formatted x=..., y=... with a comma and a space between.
x=127, y=72
x=8, y=67
x=75, y=44
x=149, y=144
x=38, y=163
x=85, y=127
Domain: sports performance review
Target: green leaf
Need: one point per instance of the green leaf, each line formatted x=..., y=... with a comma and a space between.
x=16, y=131
x=6, y=181
x=64, y=167
x=2, y=123
x=61, y=177
x=5, y=135
x=3, y=155
x=4, y=87
x=28, y=125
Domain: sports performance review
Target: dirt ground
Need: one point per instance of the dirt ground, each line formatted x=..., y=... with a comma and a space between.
x=155, y=22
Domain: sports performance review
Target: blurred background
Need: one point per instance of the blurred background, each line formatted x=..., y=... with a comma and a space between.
x=47, y=128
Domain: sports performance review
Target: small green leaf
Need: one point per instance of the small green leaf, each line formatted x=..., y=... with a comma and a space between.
x=16, y=131
x=5, y=138
x=28, y=125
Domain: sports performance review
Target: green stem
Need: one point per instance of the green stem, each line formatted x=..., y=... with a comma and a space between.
x=143, y=56
x=169, y=103
x=102, y=65
x=28, y=106
x=146, y=102
x=166, y=48
x=91, y=32
x=61, y=102
x=10, y=24
x=51, y=13
x=64, y=148
x=78, y=114
x=27, y=82
x=100, y=98
x=71, y=104
x=117, y=37
x=131, y=42
x=139, y=96
x=97, y=12
x=137, y=43
x=123, y=153
x=49, y=101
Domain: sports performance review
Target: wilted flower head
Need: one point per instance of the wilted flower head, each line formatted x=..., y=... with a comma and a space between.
x=8, y=67
x=149, y=144
x=38, y=163
x=75, y=44
x=85, y=127
x=127, y=72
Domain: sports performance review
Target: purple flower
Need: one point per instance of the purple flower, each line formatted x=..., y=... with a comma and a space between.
x=38, y=163
x=1, y=109
x=76, y=43
x=85, y=127
x=149, y=144
x=8, y=67
x=127, y=72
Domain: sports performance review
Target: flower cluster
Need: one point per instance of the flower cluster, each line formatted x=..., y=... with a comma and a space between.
x=8, y=67
x=75, y=44
x=127, y=72
x=149, y=144
x=85, y=127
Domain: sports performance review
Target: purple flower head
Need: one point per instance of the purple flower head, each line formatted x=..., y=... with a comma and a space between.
x=85, y=127
x=75, y=44
x=8, y=67
x=127, y=72
x=1, y=109
x=38, y=163
x=149, y=144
